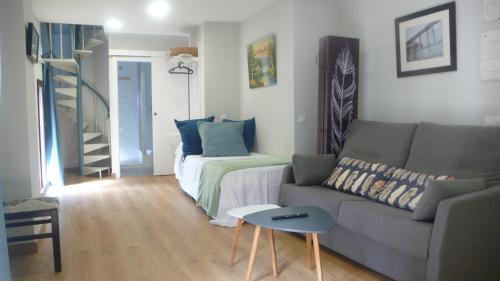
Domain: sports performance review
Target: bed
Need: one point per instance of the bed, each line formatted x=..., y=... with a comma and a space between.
x=239, y=188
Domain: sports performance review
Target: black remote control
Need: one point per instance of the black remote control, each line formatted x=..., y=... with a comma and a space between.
x=291, y=216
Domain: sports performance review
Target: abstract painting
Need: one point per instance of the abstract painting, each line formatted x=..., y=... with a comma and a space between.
x=338, y=91
x=426, y=41
x=262, y=62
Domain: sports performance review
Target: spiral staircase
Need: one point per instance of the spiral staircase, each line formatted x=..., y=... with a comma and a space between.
x=65, y=47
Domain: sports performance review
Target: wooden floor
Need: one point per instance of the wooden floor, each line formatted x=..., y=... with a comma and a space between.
x=147, y=229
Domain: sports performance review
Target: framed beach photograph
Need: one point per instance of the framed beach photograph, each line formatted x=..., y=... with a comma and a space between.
x=261, y=56
x=426, y=41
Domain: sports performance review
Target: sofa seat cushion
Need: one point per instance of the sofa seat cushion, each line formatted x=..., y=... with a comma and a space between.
x=315, y=195
x=379, y=142
x=386, y=225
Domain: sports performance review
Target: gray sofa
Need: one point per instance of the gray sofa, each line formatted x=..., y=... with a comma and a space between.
x=462, y=243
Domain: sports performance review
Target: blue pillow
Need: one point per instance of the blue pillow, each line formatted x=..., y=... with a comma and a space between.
x=248, y=132
x=222, y=139
x=191, y=141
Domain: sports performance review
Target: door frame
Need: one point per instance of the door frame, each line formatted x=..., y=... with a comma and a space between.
x=116, y=56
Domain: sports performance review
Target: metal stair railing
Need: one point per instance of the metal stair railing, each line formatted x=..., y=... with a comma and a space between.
x=100, y=104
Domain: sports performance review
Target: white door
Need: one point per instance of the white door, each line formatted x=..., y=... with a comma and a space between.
x=168, y=104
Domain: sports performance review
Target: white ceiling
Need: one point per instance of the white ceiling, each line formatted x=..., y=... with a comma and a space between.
x=184, y=14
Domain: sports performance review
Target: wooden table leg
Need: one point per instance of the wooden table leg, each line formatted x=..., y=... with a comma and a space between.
x=253, y=252
x=273, y=251
x=316, y=256
x=309, y=251
x=235, y=242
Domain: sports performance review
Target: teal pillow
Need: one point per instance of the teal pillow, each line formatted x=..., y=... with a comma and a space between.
x=222, y=139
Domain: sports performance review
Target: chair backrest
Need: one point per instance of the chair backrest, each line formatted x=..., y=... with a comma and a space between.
x=4, y=257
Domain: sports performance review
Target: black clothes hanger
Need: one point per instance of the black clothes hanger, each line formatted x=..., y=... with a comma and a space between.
x=181, y=69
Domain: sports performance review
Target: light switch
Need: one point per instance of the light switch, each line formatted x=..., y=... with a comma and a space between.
x=301, y=119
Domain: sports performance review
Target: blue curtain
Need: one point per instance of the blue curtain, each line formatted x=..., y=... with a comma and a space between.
x=55, y=167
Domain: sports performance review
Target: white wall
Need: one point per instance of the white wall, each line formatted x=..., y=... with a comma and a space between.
x=272, y=107
x=120, y=41
x=220, y=65
x=453, y=97
x=19, y=169
x=313, y=19
x=19, y=150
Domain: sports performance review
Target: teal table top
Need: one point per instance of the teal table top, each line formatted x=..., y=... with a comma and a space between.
x=317, y=221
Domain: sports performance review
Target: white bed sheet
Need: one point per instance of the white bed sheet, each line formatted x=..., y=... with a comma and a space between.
x=238, y=188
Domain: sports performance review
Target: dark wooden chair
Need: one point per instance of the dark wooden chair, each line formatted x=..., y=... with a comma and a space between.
x=35, y=212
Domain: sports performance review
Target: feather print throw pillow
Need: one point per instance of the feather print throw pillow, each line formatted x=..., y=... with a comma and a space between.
x=404, y=189
x=359, y=177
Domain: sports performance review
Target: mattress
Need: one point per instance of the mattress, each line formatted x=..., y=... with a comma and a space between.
x=238, y=188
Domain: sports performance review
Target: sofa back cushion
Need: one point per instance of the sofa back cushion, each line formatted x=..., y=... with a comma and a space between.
x=379, y=142
x=461, y=151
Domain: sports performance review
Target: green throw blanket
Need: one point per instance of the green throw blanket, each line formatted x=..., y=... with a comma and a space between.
x=214, y=171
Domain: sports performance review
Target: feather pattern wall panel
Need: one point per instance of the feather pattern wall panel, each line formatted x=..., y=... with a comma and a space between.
x=338, y=91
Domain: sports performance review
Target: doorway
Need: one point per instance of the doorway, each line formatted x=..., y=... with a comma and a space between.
x=135, y=118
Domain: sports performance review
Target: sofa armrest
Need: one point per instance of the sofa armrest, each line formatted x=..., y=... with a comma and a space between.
x=288, y=176
x=465, y=241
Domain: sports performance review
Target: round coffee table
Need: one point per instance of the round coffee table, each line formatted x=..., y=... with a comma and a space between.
x=317, y=221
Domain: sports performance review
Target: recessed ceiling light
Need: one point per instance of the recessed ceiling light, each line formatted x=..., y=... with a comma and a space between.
x=158, y=9
x=114, y=24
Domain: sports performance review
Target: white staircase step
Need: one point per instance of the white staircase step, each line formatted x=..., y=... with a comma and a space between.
x=93, y=147
x=90, y=136
x=67, y=103
x=83, y=53
x=68, y=65
x=92, y=170
x=69, y=92
x=66, y=79
x=88, y=159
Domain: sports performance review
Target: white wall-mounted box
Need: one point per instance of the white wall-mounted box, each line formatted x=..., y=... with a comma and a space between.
x=491, y=10
x=490, y=56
